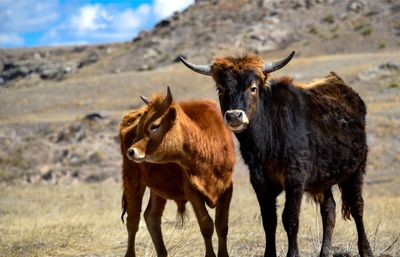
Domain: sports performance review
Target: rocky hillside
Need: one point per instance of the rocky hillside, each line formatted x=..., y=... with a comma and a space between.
x=209, y=28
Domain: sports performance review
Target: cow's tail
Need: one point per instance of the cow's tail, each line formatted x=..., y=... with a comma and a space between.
x=123, y=207
x=351, y=190
x=181, y=213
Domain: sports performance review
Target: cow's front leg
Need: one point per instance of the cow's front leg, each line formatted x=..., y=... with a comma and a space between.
x=266, y=195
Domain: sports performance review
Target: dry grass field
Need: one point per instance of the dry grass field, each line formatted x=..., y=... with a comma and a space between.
x=83, y=219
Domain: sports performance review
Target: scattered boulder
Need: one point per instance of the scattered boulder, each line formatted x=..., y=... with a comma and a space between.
x=355, y=6
x=389, y=66
x=89, y=59
x=56, y=70
x=382, y=70
x=73, y=133
x=13, y=71
x=95, y=157
x=50, y=71
x=163, y=23
x=95, y=116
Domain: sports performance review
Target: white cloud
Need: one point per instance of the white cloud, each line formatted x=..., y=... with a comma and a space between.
x=165, y=8
x=100, y=23
x=91, y=17
x=11, y=39
x=66, y=22
x=18, y=16
x=132, y=19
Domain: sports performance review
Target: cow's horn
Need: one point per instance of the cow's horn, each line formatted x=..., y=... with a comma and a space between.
x=168, y=99
x=145, y=99
x=202, y=69
x=270, y=67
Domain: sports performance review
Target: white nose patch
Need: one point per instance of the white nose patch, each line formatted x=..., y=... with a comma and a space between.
x=138, y=155
x=244, y=120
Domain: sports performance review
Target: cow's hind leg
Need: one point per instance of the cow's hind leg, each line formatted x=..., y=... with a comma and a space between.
x=132, y=204
x=353, y=203
x=152, y=216
x=221, y=221
x=327, y=209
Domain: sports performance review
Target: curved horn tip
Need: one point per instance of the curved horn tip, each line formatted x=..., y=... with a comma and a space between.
x=202, y=69
x=145, y=99
x=270, y=67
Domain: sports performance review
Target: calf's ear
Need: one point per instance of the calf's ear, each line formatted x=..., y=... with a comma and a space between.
x=172, y=114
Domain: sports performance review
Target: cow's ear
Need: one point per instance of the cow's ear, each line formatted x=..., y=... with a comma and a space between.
x=172, y=114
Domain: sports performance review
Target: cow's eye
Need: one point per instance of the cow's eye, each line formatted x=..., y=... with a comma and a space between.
x=154, y=127
x=253, y=89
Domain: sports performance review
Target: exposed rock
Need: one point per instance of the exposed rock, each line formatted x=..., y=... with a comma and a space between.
x=163, y=23
x=13, y=71
x=95, y=116
x=389, y=66
x=383, y=70
x=356, y=6
x=89, y=59
x=79, y=49
x=209, y=28
x=95, y=157
x=60, y=156
x=73, y=133
x=51, y=71
x=76, y=159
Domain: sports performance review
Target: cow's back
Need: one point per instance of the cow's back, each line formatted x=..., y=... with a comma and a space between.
x=335, y=116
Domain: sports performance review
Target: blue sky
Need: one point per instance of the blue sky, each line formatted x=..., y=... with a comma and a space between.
x=29, y=23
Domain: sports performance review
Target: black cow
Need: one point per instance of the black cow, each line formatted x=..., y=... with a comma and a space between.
x=297, y=138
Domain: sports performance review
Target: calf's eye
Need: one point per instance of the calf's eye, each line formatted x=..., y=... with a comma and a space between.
x=253, y=89
x=154, y=127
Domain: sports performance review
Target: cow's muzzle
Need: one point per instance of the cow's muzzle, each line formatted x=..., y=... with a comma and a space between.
x=236, y=120
x=136, y=155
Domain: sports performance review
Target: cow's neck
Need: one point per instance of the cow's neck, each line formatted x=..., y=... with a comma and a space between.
x=260, y=141
x=195, y=152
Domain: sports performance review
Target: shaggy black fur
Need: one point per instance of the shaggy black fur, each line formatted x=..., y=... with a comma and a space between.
x=300, y=139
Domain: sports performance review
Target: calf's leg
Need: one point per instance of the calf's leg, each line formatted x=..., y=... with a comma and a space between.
x=221, y=221
x=133, y=195
x=327, y=209
x=152, y=216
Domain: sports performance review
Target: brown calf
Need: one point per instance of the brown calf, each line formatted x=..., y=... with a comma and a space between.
x=183, y=152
